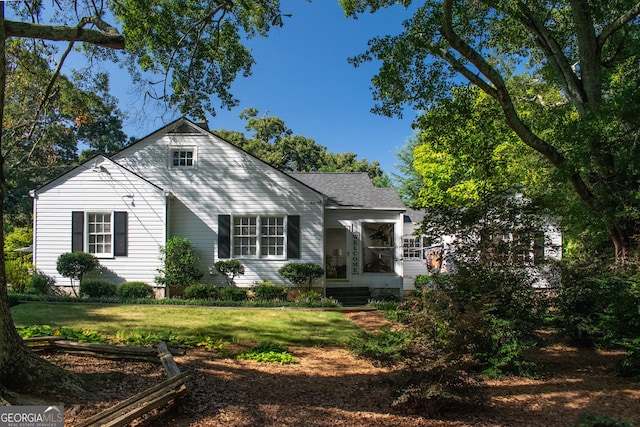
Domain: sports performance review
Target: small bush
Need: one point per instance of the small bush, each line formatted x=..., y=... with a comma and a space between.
x=630, y=365
x=310, y=296
x=201, y=291
x=595, y=308
x=386, y=346
x=301, y=275
x=40, y=284
x=76, y=264
x=233, y=294
x=97, y=288
x=17, y=272
x=269, y=352
x=267, y=291
x=181, y=264
x=134, y=290
x=13, y=300
x=423, y=281
x=230, y=269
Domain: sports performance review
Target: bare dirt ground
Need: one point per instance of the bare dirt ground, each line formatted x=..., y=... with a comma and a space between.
x=330, y=387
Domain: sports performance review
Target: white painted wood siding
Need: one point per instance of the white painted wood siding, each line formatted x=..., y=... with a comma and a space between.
x=226, y=181
x=85, y=189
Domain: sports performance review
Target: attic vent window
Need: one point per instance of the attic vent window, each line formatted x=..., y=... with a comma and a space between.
x=183, y=158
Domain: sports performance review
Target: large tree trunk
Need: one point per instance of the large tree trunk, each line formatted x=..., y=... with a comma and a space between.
x=21, y=370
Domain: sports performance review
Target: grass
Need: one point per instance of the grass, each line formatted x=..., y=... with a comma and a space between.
x=238, y=325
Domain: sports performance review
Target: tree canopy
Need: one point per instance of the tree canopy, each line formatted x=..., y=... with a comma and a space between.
x=273, y=142
x=42, y=135
x=563, y=76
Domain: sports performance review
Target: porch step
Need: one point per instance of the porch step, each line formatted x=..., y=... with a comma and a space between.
x=350, y=296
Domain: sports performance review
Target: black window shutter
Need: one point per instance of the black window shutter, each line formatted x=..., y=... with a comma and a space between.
x=120, y=233
x=293, y=236
x=77, y=231
x=224, y=236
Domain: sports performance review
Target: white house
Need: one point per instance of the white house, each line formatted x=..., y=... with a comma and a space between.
x=422, y=257
x=183, y=180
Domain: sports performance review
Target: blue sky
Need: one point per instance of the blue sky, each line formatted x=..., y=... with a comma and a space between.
x=302, y=76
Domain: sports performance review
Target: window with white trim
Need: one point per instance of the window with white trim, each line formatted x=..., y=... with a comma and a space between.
x=183, y=158
x=413, y=247
x=259, y=236
x=100, y=234
x=272, y=236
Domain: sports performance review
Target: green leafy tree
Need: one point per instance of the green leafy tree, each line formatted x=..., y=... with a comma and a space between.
x=79, y=110
x=302, y=275
x=275, y=144
x=75, y=265
x=563, y=76
x=184, y=54
x=181, y=265
x=230, y=269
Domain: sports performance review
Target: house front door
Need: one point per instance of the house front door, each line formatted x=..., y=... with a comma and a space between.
x=336, y=254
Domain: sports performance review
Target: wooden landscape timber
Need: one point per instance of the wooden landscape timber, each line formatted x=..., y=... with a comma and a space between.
x=158, y=396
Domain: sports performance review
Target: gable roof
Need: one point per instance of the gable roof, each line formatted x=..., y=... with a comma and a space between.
x=98, y=158
x=183, y=125
x=350, y=190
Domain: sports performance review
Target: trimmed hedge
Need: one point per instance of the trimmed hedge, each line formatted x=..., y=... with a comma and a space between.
x=133, y=290
x=97, y=288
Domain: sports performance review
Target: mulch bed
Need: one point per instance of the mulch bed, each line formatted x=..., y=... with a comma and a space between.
x=330, y=387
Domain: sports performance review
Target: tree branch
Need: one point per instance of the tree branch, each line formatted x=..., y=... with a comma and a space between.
x=64, y=33
x=617, y=24
x=513, y=119
x=555, y=55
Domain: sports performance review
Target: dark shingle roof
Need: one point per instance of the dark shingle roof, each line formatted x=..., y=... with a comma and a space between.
x=350, y=190
x=414, y=215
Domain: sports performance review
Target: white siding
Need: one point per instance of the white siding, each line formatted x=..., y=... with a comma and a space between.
x=101, y=186
x=226, y=181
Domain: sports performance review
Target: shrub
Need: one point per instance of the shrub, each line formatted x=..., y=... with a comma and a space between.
x=40, y=283
x=17, y=271
x=386, y=347
x=598, y=308
x=309, y=296
x=630, y=365
x=180, y=263
x=479, y=318
x=233, y=294
x=230, y=268
x=134, y=290
x=97, y=288
x=13, y=299
x=301, y=275
x=201, y=291
x=76, y=264
x=267, y=291
x=422, y=281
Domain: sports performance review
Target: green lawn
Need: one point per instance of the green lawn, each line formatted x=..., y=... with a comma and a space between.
x=238, y=325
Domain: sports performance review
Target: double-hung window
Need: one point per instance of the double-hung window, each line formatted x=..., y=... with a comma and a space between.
x=103, y=234
x=245, y=236
x=100, y=234
x=259, y=236
x=272, y=236
x=413, y=247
